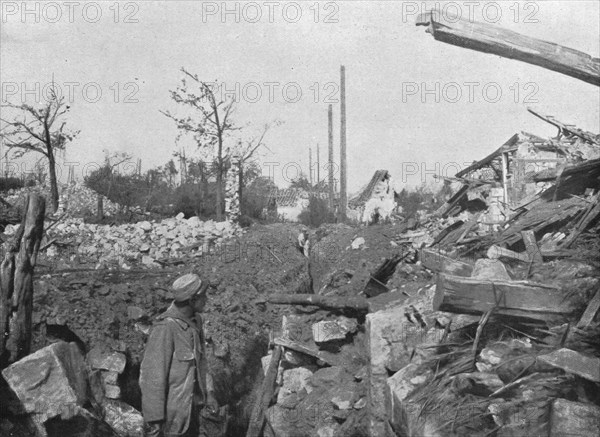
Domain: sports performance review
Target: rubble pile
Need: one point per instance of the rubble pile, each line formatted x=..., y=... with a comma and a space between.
x=75, y=199
x=515, y=301
x=321, y=383
x=145, y=242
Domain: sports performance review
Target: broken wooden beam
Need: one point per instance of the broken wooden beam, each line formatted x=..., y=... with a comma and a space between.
x=455, y=199
x=327, y=357
x=496, y=40
x=326, y=302
x=586, y=219
x=531, y=247
x=523, y=299
x=440, y=263
x=257, y=419
x=590, y=312
x=568, y=418
x=573, y=362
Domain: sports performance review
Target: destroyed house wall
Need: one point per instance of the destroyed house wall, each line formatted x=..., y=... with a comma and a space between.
x=375, y=202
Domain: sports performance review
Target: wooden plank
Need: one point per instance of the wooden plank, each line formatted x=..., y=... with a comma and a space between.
x=445, y=209
x=257, y=419
x=533, y=251
x=327, y=357
x=504, y=177
x=524, y=299
x=574, y=419
x=438, y=262
x=590, y=311
x=573, y=362
x=471, y=223
x=590, y=214
x=488, y=38
x=447, y=231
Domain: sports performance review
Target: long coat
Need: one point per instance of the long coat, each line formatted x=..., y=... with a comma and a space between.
x=175, y=358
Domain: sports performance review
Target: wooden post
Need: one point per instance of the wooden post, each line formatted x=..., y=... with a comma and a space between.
x=343, y=187
x=505, y=177
x=100, y=208
x=257, y=420
x=310, y=169
x=330, y=157
x=318, y=166
x=16, y=283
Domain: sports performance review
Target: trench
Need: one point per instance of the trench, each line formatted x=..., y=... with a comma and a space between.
x=237, y=380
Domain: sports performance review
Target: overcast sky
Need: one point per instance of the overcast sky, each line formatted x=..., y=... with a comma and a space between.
x=132, y=52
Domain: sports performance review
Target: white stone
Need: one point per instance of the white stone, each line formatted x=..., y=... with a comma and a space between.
x=327, y=331
x=358, y=243
x=326, y=431
x=194, y=221
x=491, y=269
x=148, y=261
x=294, y=380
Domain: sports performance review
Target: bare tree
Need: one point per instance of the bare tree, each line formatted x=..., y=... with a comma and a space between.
x=209, y=125
x=39, y=130
x=246, y=152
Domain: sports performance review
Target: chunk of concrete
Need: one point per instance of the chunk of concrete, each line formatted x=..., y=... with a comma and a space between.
x=477, y=383
x=344, y=398
x=109, y=377
x=145, y=226
x=98, y=358
x=294, y=381
x=112, y=391
x=358, y=243
x=135, y=313
x=149, y=261
x=347, y=324
x=123, y=418
x=399, y=388
x=327, y=330
x=573, y=362
x=49, y=381
x=574, y=419
x=330, y=377
x=393, y=343
x=491, y=269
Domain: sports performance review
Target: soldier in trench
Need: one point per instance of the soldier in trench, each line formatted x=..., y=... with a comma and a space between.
x=174, y=379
